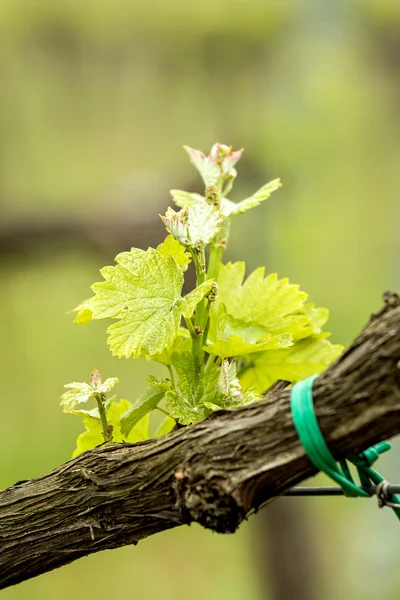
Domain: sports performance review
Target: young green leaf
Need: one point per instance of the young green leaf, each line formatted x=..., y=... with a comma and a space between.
x=143, y=405
x=317, y=316
x=171, y=247
x=233, y=337
x=305, y=358
x=182, y=198
x=273, y=303
x=222, y=388
x=183, y=404
x=237, y=208
x=206, y=165
x=143, y=291
x=81, y=392
x=93, y=435
x=205, y=221
x=195, y=225
x=191, y=300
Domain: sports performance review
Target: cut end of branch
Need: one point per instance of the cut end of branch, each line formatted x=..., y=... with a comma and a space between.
x=205, y=499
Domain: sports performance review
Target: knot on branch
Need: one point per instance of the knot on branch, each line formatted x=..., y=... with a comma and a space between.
x=204, y=498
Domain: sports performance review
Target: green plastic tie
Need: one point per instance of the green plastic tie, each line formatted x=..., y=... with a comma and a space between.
x=315, y=446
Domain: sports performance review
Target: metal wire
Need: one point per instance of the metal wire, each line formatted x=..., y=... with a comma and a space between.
x=335, y=491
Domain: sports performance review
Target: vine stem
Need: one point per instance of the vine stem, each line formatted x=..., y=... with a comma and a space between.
x=171, y=376
x=165, y=412
x=199, y=260
x=217, y=249
x=103, y=418
x=190, y=327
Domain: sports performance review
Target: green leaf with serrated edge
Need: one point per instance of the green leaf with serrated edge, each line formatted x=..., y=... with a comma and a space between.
x=180, y=409
x=182, y=198
x=165, y=427
x=205, y=221
x=186, y=370
x=236, y=346
x=271, y=302
x=195, y=225
x=206, y=165
x=81, y=392
x=237, y=208
x=171, y=247
x=93, y=436
x=143, y=405
x=222, y=388
x=183, y=404
x=191, y=300
x=143, y=292
x=232, y=337
x=306, y=357
x=197, y=393
x=317, y=316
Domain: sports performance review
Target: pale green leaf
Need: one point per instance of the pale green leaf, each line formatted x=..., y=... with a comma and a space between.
x=182, y=198
x=93, y=435
x=143, y=292
x=181, y=409
x=273, y=303
x=236, y=346
x=306, y=357
x=232, y=208
x=222, y=388
x=318, y=316
x=183, y=404
x=191, y=300
x=171, y=247
x=233, y=337
x=206, y=165
x=187, y=372
x=81, y=392
x=143, y=405
x=205, y=221
x=85, y=315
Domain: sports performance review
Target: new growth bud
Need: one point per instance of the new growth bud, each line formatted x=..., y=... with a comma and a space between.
x=213, y=293
x=177, y=224
x=95, y=379
x=213, y=195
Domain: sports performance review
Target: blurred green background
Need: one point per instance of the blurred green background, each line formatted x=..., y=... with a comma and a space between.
x=96, y=100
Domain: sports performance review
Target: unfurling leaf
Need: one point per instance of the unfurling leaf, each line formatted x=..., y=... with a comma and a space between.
x=206, y=165
x=176, y=224
x=171, y=247
x=195, y=225
x=79, y=393
x=199, y=392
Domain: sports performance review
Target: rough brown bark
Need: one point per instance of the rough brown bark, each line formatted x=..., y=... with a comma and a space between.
x=216, y=472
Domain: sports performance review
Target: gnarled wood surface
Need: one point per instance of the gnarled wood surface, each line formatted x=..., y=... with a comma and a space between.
x=215, y=472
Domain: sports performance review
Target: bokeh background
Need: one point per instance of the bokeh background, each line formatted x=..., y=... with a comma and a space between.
x=96, y=100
